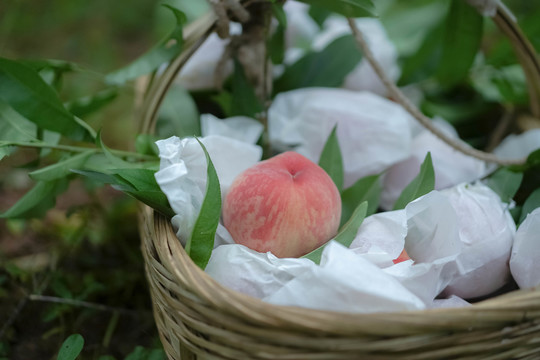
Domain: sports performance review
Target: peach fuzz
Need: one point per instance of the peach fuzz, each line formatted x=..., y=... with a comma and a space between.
x=287, y=205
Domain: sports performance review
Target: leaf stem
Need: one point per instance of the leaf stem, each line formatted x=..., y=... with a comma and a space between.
x=42, y=145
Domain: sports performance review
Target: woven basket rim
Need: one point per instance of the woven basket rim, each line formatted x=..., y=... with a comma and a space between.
x=513, y=307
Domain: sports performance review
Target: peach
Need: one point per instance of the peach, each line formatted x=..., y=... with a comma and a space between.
x=287, y=205
x=402, y=257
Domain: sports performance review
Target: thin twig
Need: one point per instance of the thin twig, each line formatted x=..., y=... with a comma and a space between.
x=500, y=129
x=68, y=148
x=85, y=304
x=396, y=93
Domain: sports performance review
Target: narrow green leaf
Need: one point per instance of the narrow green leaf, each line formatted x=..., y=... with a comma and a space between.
x=37, y=200
x=71, y=348
x=276, y=45
x=424, y=62
x=423, y=183
x=62, y=168
x=157, y=56
x=331, y=160
x=326, y=68
x=505, y=183
x=348, y=8
x=319, y=15
x=532, y=202
x=279, y=14
x=346, y=235
x=89, y=104
x=462, y=38
x=14, y=127
x=178, y=115
x=4, y=151
x=114, y=160
x=23, y=89
x=201, y=242
x=366, y=189
x=244, y=99
x=104, y=178
x=140, y=179
x=155, y=199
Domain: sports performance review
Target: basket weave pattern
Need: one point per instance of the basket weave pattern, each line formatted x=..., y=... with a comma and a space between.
x=197, y=318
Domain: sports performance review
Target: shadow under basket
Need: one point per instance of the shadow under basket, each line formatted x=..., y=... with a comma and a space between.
x=197, y=318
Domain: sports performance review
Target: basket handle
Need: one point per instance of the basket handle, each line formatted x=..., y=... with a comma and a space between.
x=197, y=32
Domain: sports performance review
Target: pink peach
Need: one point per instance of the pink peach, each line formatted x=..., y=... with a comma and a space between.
x=287, y=205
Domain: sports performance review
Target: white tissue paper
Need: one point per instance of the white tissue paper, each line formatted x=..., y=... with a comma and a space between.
x=241, y=128
x=471, y=223
x=451, y=166
x=525, y=258
x=198, y=72
x=344, y=281
x=381, y=239
x=182, y=173
x=301, y=28
x=516, y=147
x=373, y=132
x=362, y=77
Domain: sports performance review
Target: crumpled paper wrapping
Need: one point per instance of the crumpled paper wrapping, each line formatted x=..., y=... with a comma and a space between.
x=182, y=173
x=301, y=28
x=471, y=223
x=525, y=258
x=198, y=72
x=241, y=128
x=515, y=147
x=451, y=166
x=363, y=77
x=373, y=132
x=344, y=281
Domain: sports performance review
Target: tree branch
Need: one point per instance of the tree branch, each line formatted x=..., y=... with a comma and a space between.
x=398, y=95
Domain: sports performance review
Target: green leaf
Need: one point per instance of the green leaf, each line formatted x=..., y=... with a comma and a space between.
x=279, y=14
x=461, y=42
x=161, y=54
x=319, y=15
x=114, y=160
x=326, y=68
x=178, y=115
x=532, y=202
x=24, y=90
x=89, y=104
x=276, y=45
x=346, y=235
x=140, y=179
x=244, y=99
x=146, y=144
x=14, y=127
x=505, y=183
x=62, y=168
x=348, y=8
x=104, y=178
x=423, y=63
x=201, y=242
x=5, y=151
x=331, y=160
x=38, y=200
x=71, y=348
x=366, y=189
x=423, y=183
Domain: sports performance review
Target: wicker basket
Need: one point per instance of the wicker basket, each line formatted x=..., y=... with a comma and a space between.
x=197, y=318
